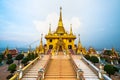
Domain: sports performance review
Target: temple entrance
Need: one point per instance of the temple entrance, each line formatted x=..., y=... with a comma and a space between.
x=60, y=48
x=60, y=45
x=69, y=46
x=50, y=46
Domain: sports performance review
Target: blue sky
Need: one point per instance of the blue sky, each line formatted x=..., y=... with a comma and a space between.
x=23, y=21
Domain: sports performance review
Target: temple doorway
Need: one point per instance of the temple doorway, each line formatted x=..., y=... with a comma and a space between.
x=60, y=48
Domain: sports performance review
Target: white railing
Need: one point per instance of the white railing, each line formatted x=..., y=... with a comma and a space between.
x=104, y=76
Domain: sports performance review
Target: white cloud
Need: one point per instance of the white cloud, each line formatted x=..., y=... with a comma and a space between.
x=43, y=26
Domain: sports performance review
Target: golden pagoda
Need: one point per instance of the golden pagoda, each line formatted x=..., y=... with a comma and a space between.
x=60, y=40
x=40, y=48
x=80, y=49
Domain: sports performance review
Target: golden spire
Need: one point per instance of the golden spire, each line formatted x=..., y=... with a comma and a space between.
x=60, y=28
x=49, y=29
x=71, y=29
x=41, y=43
x=79, y=43
x=60, y=19
x=41, y=48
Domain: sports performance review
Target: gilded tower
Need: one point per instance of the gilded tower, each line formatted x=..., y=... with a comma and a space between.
x=60, y=40
x=80, y=49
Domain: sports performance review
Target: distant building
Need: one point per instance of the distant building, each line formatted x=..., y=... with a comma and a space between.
x=14, y=52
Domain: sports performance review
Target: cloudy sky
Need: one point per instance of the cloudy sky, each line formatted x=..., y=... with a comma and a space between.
x=23, y=21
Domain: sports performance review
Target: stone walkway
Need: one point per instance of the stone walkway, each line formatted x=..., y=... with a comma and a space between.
x=60, y=68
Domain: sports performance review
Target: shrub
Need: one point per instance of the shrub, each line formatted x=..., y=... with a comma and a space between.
x=9, y=56
x=109, y=69
x=116, y=69
x=25, y=61
x=0, y=60
x=2, y=56
x=12, y=68
x=87, y=57
x=9, y=76
x=94, y=59
x=19, y=57
x=9, y=61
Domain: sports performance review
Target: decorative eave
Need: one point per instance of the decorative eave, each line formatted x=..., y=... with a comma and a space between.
x=63, y=37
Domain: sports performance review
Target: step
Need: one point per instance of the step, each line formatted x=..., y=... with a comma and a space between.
x=60, y=79
x=60, y=76
x=28, y=78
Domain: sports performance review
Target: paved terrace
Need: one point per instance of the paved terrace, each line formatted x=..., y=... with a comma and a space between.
x=88, y=74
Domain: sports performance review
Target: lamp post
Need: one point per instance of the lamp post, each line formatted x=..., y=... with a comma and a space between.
x=19, y=71
x=111, y=60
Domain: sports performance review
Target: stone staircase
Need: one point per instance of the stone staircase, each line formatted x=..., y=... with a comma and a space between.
x=87, y=72
x=32, y=73
x=60, y=68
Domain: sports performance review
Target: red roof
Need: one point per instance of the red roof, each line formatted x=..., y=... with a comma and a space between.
x=13, y=52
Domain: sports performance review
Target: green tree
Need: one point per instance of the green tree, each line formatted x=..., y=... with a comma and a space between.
x=109, y=69
x=9, y=61
x=119, y=61
x=33, y=56
x=0, y=60
x=9, y=56
x=36, y=55
x=9, y=76
x=94, y=59
x=2, y=56
x=25, y=61
x=116, y=69
x=29, y=56
x=19, y=57
x=87, y=57
x=12, y=69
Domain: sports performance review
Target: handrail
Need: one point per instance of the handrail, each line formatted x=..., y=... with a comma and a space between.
x=42, y=71
x=79, y=72
x=15, y=77
x=96, y=69
x=30, y=64
x=106, y=77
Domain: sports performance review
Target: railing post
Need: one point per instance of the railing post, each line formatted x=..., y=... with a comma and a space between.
x=80, y=74
x=41, y=72
x=20, y=72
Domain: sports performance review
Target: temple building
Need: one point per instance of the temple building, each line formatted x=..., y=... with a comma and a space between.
x=13, y=52
x=60, y=40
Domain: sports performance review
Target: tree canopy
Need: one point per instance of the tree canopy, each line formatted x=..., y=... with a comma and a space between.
x=9, y=56
x=94, y=59
x=12, y=68
x=109, y=69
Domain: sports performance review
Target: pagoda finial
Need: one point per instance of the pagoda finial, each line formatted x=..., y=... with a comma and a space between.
x=41, y=49
x=60, y=28
x=60, y=19
x=49, y=29
x=71, y=29
x=41, y=38
x=79, y=38
x=79, y=43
